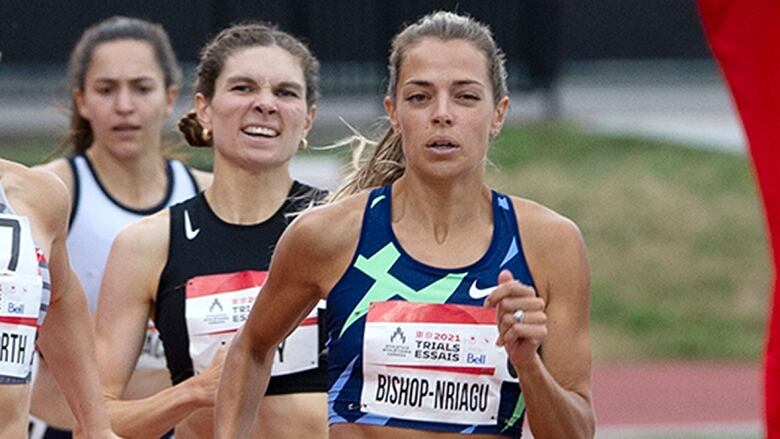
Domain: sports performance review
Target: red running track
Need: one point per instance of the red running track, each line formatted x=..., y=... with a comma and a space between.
x=676, y=393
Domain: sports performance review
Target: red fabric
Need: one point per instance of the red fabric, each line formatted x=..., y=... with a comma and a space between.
x=745, y=38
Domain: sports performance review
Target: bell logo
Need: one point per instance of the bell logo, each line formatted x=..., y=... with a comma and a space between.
x=15, y=309
x=476, y=359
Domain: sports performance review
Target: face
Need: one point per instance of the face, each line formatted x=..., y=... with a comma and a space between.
x=258, y=114
x=124, y=97
x=444, y=108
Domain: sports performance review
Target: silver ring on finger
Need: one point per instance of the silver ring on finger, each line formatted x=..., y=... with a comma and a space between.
x=518, y=316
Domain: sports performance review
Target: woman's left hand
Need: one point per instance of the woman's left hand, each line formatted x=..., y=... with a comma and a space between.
x=521, y=318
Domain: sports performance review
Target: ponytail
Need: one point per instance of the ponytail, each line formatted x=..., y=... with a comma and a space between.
x=385, y=165
x=193, y=131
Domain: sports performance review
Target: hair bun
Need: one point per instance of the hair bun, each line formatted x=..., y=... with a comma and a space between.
x=193, y=131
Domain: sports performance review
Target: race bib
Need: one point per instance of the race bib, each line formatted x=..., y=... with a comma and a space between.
x=21, y=292
x=433, y=362
x=218, y=305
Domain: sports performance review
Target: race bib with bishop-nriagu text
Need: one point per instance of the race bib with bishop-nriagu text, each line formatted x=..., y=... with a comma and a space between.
x=433, y=362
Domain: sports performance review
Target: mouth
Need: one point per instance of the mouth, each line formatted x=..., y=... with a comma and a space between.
x=442, y=144
x=260, y=131
x=125, y=128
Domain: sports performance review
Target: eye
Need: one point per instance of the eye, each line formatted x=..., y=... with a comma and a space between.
x=417, y=97
x=287, y=93
x=104, y=90
x=241, y=88
x=468, y=96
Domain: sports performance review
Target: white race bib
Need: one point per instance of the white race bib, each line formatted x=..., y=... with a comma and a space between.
x=21, y=292
x=218, y=305
x=432, y=362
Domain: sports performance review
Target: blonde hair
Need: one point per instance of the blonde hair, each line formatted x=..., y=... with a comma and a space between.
x=386, y=163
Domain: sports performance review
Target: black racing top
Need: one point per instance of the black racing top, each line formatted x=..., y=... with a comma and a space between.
x=219, y=247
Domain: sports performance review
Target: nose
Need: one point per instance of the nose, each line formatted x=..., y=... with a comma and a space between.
x=442, y=116
x=265, y=102
x=123, y=103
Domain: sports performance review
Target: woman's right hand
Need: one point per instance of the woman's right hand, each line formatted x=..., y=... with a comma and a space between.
x=207, y=382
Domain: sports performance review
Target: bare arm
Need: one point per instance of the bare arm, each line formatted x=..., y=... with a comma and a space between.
x=62, y=170
x=556, y=388
x=66, y=336
x=305, y=266
x=129, y=284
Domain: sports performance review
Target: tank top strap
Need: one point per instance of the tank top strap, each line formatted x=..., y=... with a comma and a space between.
x=507, y=235
x=376, y=230
x=183, y=180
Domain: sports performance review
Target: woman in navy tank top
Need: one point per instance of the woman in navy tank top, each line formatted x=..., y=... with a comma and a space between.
x=452, y=309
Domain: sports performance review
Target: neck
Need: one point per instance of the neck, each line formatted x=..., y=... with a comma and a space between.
x=241, y=196
x=138, y=181
x=441, y=207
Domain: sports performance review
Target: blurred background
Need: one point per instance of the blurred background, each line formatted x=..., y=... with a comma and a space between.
x=619, y=120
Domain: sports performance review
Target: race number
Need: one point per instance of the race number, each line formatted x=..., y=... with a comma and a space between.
x=432, y=362
x=218, y=305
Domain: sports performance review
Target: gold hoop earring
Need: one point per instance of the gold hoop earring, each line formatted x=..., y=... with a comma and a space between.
x=303, y=144
x=205, y=134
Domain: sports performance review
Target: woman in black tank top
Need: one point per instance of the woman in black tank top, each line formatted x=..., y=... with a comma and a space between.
x=196, y=268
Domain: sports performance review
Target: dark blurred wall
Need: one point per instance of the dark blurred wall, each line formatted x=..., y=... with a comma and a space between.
x=34, y=31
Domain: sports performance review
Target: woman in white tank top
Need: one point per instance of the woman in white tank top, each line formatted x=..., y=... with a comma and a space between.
x=124, y=81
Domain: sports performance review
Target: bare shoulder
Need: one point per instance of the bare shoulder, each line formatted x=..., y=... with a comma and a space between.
x=317, y=247
x=36, y=193
x=331, y=229
x=147, y=236
x=137, y=258
x=61, y=169
x=543, y=227
x=553, y=246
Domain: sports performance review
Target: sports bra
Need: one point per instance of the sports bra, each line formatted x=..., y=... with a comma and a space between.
x=411, y=345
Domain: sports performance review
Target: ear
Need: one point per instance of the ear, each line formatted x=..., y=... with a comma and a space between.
x=78, y=98
x=203, y=110
x=170, y=99
x=310, y=116
x=391, y=113
x=499, y=116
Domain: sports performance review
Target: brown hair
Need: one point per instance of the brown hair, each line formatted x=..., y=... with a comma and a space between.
x=80, y=135
x=386, y=163
x=216, y=52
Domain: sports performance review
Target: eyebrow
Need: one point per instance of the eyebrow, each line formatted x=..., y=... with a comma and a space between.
x=134, y=79
x=291, y=85
x=284, y=84
x=459, y=82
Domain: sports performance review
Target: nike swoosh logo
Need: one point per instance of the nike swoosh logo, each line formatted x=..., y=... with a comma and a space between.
x=479, y=293
x=188, y=231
